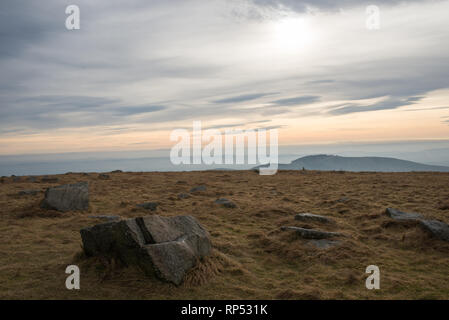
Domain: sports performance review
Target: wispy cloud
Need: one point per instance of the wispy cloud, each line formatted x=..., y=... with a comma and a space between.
x=296, y=101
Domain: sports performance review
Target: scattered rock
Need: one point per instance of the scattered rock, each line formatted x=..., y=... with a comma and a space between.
x=69, y=197
x=166, y=246
x=323, y=243
x=183, y=196
x=16, y=179
x=104, y=176
x=312, y=217
x=28, y=192
x=106, y=217
x=226, y=203
x=437, y=228
x=312, y=234
x=399, y=215
x=198, y=189
x=47, y=179
x=148, y=206
x=32, y=179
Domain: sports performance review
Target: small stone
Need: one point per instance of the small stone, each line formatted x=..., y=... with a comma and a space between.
x=312, y=217
x=183, y=196
x=312, y=234
x=399, y=215
x=226, y=203
x=103, y=176
x=198, y=189
x=148, y=206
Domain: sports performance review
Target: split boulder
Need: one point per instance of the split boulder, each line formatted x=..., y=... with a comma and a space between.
x=166, y=246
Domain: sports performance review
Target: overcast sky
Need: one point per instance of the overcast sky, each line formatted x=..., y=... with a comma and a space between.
x=138, y=69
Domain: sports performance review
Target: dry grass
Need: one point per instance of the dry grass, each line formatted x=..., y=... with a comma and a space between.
x=252, y=258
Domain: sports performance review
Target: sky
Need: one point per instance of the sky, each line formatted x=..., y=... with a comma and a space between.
x=138, y=69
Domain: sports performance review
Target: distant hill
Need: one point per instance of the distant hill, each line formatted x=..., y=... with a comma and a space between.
x=379, y=164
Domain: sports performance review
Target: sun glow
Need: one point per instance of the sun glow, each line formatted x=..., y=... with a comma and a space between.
x=292, y=34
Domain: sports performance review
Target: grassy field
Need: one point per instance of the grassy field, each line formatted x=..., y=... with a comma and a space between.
x=252, y=257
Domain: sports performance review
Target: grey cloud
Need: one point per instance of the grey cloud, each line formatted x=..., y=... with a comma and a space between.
x=58, y=111
x=388, y=104
x=243, y=98
x=324, y=81
x=327, y=5
x=139, y=109
x=296, y=101
x=114, y=54
x=235, y=125
x=25, y=23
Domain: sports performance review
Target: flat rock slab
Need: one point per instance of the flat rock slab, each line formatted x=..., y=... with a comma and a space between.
x=323, y=243
x=166, y=246
x=148, y=206
x=312, y=234
x=226, y=203
x=312, y=217
x=68, y=197
x=437, y=228
x=106, y=217
x=399, y=215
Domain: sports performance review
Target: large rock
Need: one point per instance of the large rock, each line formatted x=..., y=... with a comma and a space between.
x=312, y=234
x=399, y=215
x=312, y=217
x=69, y=197
x=166, y=246
x=437, y=228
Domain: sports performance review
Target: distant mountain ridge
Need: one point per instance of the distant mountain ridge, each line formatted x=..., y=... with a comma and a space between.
x=379, y=164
